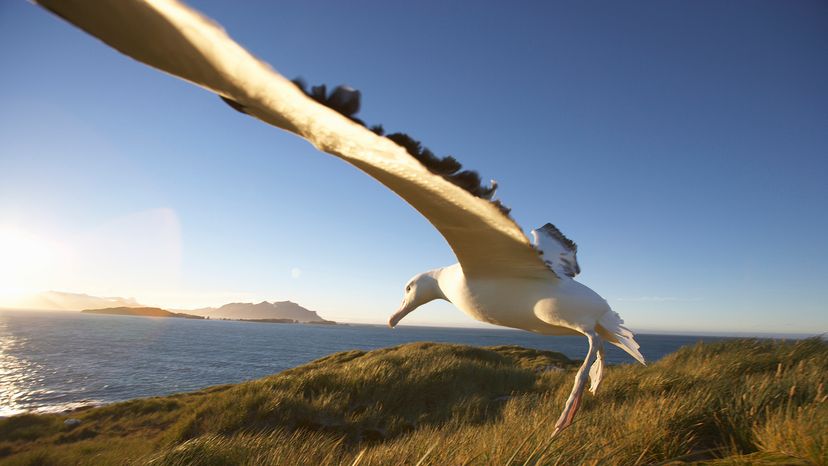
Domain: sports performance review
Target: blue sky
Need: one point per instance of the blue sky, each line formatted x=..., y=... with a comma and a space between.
x=682, y=145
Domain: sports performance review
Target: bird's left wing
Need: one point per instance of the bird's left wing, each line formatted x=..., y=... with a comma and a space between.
x=170, y=36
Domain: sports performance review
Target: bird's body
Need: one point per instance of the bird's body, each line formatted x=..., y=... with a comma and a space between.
x=501, y=277
x=536, y=305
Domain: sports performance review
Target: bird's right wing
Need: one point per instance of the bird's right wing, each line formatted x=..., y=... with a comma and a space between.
x=559, y=252
x=170, y=36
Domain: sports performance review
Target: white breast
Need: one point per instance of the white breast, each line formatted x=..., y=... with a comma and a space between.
x=535, y=305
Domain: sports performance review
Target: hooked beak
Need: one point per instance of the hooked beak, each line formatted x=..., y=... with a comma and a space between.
x=401, y=312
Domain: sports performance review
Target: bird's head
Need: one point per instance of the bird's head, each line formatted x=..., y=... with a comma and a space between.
x=418, y=291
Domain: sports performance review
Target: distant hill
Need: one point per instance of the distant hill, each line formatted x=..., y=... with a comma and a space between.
x=262, y=310
x=141, y=311
x=62, y=301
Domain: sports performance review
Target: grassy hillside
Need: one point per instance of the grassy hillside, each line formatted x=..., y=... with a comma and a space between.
x=737, y=402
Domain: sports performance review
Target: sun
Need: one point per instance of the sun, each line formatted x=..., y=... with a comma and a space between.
x=25, y=261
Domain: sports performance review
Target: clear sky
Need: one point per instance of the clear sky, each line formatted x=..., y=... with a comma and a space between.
x=683, y=145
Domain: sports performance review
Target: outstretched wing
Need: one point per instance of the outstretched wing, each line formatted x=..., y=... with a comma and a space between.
x=172, y=37
x=558, y=251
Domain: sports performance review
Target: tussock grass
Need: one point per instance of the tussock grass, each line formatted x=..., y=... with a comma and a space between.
x=733, y=402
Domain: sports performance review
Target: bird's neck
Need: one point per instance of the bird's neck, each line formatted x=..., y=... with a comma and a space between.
x=444, y=279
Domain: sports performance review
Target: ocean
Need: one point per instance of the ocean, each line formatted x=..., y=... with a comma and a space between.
x=54, y=361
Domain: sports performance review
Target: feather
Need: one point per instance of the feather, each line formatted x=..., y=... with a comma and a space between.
x=346, y=101
x=616, y=333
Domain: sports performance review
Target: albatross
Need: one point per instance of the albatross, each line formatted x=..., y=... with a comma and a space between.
x=501, y=276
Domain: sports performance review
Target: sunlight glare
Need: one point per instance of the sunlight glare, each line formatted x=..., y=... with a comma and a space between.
x=24, y=259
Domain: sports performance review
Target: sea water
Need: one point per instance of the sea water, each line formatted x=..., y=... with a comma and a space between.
x=54, y=361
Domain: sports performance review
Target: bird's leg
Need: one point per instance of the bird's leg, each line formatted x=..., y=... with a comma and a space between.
x=574, y=400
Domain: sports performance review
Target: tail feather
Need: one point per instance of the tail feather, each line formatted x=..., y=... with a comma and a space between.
x=614, y=331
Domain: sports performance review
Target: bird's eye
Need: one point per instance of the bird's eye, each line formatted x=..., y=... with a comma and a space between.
x=408, y=288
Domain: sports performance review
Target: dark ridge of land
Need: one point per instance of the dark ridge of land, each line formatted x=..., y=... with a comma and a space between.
x=269, y=321
x=731, y=402
x=158, y=312
x=281, y=321
x=141, y=311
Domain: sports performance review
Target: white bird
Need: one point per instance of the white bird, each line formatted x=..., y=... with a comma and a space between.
x=501, y=277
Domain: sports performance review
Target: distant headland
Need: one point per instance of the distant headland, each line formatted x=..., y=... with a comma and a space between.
x=282, y=312
x=141, y=311
x=263, y=311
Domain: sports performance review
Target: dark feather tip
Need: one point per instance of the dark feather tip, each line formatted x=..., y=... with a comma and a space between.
x=346, y=101
x=554, y=232
x=235, y=105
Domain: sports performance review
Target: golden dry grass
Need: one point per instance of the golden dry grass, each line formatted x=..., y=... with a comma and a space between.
x=735, y=402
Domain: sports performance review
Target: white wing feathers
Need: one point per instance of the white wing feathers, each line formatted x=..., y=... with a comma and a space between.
x=170, y=36
x=558, y=251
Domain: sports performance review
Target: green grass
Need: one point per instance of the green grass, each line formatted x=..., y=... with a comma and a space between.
x=735, y=402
